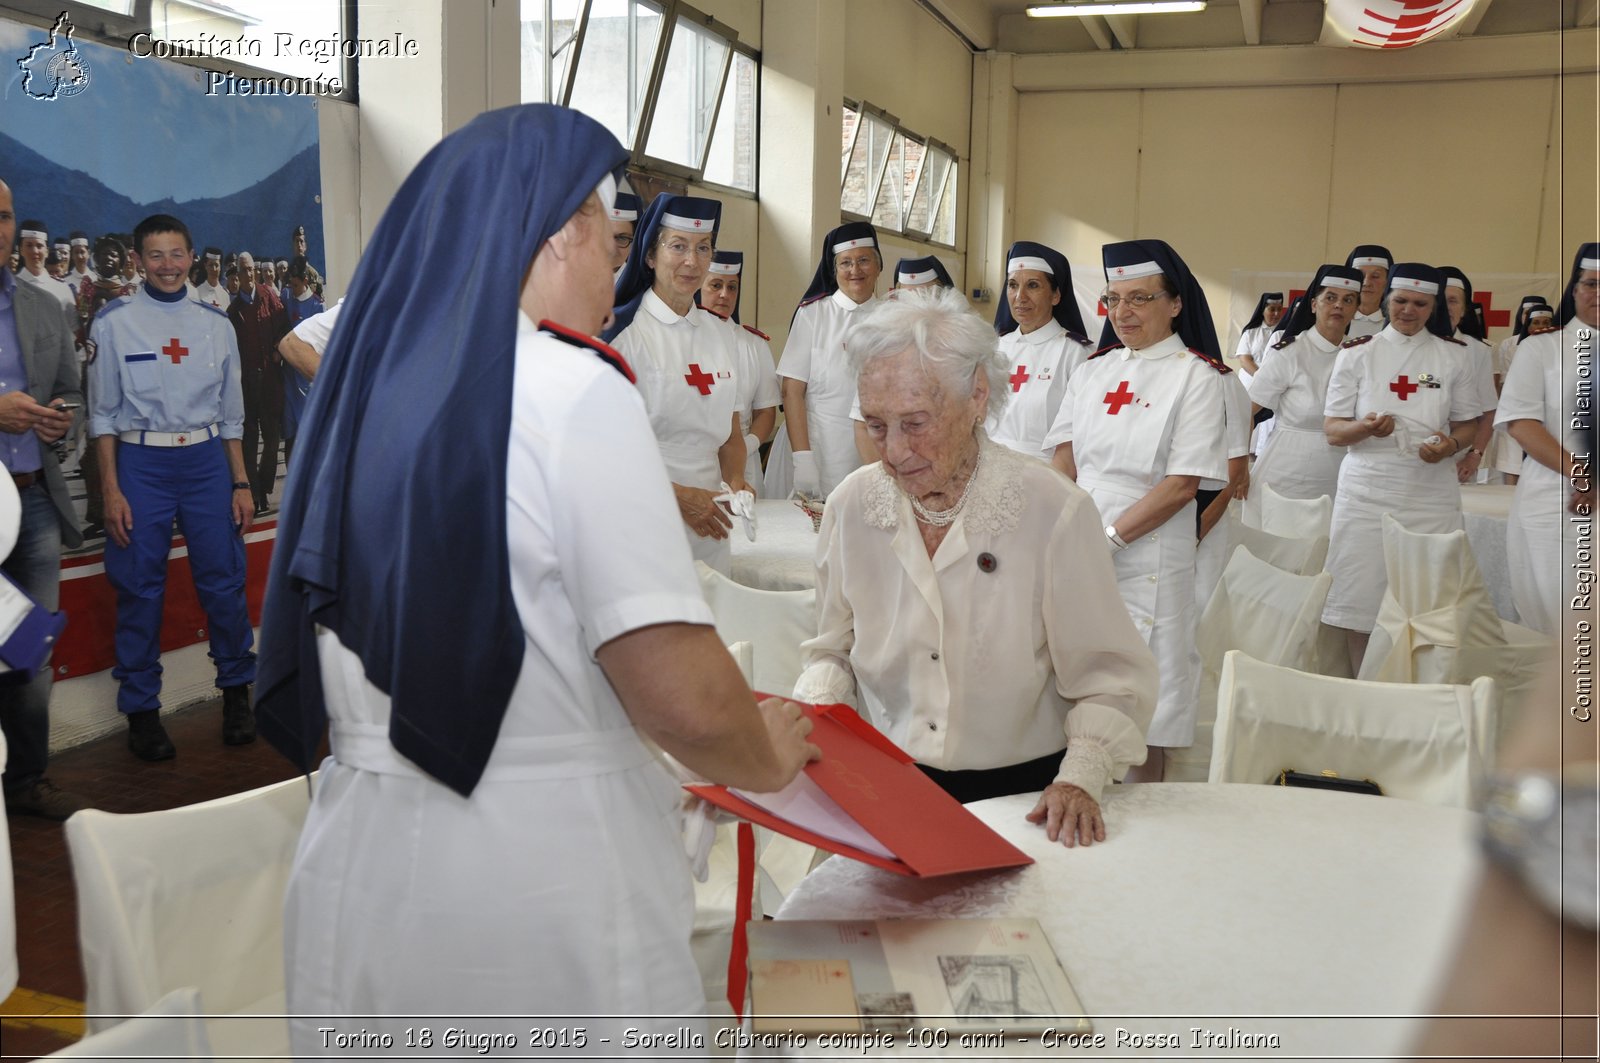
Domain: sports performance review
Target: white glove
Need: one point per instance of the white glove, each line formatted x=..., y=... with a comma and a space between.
x=752, y=447
x=806, y=478
x=697, y=818
x=741, y=504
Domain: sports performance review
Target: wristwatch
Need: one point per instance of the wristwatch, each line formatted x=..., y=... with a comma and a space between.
x=1544, y=829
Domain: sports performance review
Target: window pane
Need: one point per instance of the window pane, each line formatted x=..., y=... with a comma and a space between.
x=925, y=200
x=889, y=211
x=619, y=47
x=852, y=118
x=865, y=167
x=688, y=98
x=732, y=161
x=536, y=59
x=916, y=153
x=121, y=7
x=944, y=222
x=310, y=32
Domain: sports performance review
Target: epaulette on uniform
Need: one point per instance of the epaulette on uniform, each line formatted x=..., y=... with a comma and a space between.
x=1077, y=337
x=813, y=299
x=1281, y=344
x=1453, y=339
x=715, y=314
x=758, y=332
x=119, y=301
x=1104, y=350
x=589, y=343
x=1215, y=363
x=1358, y=341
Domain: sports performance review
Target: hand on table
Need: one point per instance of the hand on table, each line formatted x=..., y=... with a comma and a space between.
x=1069, y=815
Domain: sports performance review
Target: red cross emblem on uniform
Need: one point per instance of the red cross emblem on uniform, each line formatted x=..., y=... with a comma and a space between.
x=183, y=440
x=699, y=379
x=1119, y=398
x=175, y=351
x=1019, y=378
x=1403, y=387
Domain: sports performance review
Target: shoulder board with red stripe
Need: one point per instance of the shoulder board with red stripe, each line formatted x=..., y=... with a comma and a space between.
x=1452, y=339
x=1079, y=339
x=715, y=314
x=1358, y=341
x=589, y=343
x=758, y=332
x=813, y=299
x=1219, y=366
x=1105, y=350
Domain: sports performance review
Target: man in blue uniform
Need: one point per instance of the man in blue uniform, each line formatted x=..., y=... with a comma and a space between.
x=38, y=373
x=167, y=415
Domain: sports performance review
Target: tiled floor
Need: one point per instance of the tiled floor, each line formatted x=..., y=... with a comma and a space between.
x=110, y=778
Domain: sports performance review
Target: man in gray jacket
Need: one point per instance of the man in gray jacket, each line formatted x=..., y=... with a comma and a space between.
x=40, y=396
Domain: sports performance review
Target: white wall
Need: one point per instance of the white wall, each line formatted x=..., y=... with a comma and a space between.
x=1486, y=173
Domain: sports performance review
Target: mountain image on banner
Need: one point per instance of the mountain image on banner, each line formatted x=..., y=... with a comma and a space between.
x=257, y=219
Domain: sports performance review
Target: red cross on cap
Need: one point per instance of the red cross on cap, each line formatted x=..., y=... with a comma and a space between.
x=1119, y=271
x=698, y=223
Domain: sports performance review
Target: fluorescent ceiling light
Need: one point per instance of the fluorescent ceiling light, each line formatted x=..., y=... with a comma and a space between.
x=1115, y=7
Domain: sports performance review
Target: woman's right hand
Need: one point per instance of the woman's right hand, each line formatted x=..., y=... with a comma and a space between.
x=1379, y=425
x=703, y=516
x=787, y=727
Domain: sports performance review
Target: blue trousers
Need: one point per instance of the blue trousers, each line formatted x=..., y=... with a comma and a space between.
x=35, y=566
x=194, y=485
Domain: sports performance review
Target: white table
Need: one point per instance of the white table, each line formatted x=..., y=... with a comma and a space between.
x=783, y=557
x=1485, y=508
x=1261, y=908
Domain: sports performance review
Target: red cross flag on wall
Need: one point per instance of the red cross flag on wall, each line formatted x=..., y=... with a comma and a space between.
x=1389, y=24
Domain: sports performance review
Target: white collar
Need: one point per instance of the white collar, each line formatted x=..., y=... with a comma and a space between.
x=1394, y=335
x=1043, y=334
x=1376, y=315
x=658, y=309
x=844, y=302
x=995, y=499
x=1173, y=344
x=1318, y=341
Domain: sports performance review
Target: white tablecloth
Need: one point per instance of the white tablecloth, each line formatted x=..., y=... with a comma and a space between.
x=1485, y=508
x=783, y=557
x=1257, y=908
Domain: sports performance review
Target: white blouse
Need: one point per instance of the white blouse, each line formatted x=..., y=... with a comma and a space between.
x=1038, y=366
x=1294, y=383
x=1010, y=641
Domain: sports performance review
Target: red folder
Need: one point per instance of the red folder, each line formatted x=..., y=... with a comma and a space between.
x=880, y=787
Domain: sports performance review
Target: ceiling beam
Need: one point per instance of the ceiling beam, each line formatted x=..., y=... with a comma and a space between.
x=1469, y=25
x=1097, y=33
x=1250, y=15
x=1588, y=13
x=1126, y=27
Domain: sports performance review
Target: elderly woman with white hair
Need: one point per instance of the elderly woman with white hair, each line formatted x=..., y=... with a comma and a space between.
x=966, y=599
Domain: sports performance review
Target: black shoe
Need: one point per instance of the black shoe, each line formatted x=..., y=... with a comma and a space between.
x=147, y=738
x=238, y=719
x=94, y=530
x=44, y=799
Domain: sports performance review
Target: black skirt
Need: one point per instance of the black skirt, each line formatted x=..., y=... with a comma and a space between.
x=1030, y=777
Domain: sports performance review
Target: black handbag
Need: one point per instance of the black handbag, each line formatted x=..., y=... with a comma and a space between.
x=1327, y=780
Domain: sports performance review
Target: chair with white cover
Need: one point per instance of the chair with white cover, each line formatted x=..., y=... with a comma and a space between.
x=775, y=623
x=1423, y=742
x=1272, y=615
x=1303, y=557
x=1293, y=518
x=1437, y=622
x=190, y=896
x=172, y=1028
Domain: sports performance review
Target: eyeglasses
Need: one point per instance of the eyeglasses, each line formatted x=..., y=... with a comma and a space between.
x=1138, y=300
x=684, y=249
x=623, y=240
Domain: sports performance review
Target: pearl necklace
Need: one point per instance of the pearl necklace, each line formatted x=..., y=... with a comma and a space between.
x=945, y=517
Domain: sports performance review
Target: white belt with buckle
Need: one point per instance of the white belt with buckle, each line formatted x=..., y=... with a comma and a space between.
x=171, y=439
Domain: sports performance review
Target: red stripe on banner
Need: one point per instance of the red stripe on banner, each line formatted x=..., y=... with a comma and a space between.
x=87, y=646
